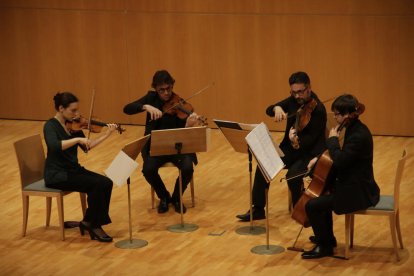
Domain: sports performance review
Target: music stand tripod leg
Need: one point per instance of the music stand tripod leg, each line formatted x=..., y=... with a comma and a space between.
x=252, y=229
x=182, y=227
x=267, y=249
x=130, y=243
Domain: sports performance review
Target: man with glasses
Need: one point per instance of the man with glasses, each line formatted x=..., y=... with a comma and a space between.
x=300, y=147
x=153, y=103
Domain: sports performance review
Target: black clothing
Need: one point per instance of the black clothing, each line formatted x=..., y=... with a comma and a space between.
x=62, y=171
x=311, y=141
x=354, y=187
x=153, y=163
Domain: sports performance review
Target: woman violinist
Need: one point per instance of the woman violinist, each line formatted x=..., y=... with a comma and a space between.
x=353, y=187
x=62, y=170
x=162, y=113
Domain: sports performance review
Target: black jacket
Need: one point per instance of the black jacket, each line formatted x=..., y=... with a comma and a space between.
x=354, y=187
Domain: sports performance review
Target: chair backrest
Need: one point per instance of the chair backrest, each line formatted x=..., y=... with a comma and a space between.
x=31, y=159
x=398, y=177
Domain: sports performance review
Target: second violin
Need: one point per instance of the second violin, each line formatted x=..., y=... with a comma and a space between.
x=182, y=109
x=95, y=125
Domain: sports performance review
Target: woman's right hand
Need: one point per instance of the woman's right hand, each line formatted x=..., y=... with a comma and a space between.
x=280, y=115
x=84, y=142
x=153, y=111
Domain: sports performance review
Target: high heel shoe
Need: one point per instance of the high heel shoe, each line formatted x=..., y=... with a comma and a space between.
x=102, y=237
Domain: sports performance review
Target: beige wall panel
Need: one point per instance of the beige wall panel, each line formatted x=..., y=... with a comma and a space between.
x=339, y=7
x=66, y=4
x=50, y=51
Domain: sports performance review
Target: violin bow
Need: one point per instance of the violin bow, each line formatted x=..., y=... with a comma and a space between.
x=192, y=96
x=90, y=114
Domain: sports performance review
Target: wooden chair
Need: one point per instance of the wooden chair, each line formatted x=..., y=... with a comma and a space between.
x=31, y=160
x=387, y=206
x=169, y=165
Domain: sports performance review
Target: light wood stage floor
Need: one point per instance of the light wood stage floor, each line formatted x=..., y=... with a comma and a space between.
x=221, y=189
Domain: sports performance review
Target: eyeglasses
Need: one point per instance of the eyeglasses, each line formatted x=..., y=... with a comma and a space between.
x=298, y=92
x=167, y=89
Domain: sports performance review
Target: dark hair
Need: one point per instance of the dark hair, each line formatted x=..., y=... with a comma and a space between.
x=64, y=99
x=345, y=104
x=162, y=77
x=299, y=77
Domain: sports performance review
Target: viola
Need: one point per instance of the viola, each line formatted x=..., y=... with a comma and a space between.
x=79, y=123
x=303, y=117
x=182, y=109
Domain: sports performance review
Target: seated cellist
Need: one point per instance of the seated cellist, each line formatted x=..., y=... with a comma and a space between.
x=353, y=187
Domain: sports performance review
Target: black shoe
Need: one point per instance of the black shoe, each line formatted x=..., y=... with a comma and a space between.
x=71, y=224
x=163, y=206
x=318, y=252
x=314, y=240
x=257, y=214
x=178, y=208
x=95, y=233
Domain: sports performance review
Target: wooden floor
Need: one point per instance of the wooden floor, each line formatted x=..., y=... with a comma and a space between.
x=221, y=187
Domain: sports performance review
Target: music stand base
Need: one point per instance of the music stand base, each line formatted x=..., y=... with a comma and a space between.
x=251, y=230
x=267, y=249
x=182, y=228
x=131, y=244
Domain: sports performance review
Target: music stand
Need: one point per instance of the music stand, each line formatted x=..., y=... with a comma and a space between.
x=268, y=160
x=132, y=150
x=235, y=134
x=180, y=141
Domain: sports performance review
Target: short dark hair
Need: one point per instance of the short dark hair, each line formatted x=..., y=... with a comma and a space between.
x=345, y=104
x=162, y=77
x=299, y=77
x=64, y=99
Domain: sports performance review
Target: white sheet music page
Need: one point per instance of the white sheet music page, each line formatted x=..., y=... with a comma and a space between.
x=265, y=152
x=121, y=168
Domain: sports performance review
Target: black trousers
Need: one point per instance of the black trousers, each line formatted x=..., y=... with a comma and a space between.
x=295, y=184
x=319, y=211
x=150, y=170
x=99, y=190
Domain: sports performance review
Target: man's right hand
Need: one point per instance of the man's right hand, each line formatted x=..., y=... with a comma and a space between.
x=153, y=111
x=280, y=115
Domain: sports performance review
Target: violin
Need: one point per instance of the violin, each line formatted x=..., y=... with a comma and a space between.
x=322, y=168
x=303, y=117
x=79, y=123
x=182, y=109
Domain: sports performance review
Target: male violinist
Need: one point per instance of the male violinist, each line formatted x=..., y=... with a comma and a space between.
x=153, y=103
x=300, y=147
x=353, y=187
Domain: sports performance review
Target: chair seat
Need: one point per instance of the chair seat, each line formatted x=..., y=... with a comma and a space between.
x=40, y=186
x=386, y=203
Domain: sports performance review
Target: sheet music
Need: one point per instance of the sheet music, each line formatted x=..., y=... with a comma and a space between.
x=263, y=148
x=121, y=168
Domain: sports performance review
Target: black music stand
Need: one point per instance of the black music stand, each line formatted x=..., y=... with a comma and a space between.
x=132, y=150
x=180, y=141
x=268, y=160
x=235, y=134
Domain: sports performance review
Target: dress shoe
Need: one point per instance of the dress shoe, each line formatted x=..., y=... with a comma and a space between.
x=318, y=252
x=71, y=224
x=257, y=214
x=178, y=208
x=314, y=240
x=95, y=233
x=163, y=206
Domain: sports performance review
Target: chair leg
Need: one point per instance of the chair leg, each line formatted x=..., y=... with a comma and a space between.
x=25, y=213
x=83, y=203
x=152, y=198
x=192, y=191
x=393, y=235
x=397, y=222
x=48, y=210
x=59, y=200
x=347, y=234
x=351, y=233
